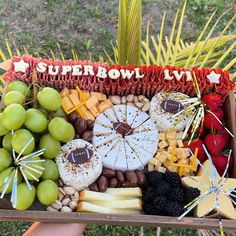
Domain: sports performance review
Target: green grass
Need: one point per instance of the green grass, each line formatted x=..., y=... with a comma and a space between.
x=89, y=27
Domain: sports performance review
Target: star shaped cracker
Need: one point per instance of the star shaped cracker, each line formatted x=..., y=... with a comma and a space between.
x=213, y=77
x=219, y=193
x=20, y=66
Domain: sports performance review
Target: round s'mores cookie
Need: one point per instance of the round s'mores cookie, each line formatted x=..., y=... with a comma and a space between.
x=79, y=164
x=163, y=106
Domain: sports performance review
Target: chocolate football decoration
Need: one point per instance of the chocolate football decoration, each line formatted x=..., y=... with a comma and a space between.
x=122, y=128
x=172, y=106
x=80, y=155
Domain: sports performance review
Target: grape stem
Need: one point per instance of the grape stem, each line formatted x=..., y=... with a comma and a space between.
x=35, y=89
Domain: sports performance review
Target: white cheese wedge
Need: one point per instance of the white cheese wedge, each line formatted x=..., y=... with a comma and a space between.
x=144, y=155
x=120, y=111
x=101, y=129
x=131, y=113
x=139, y=119
x=93, y=208
x=103, y=120
x=110, y=114
x=102, y=139
x=133, y=161
x=109, y=159
x=121, y=160
x=148, y=125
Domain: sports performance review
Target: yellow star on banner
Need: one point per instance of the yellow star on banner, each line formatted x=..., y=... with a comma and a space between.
x=20, y=66
x=208, y=204
x=213, y=77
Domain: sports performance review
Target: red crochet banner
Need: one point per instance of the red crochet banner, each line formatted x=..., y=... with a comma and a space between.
x=116, y=79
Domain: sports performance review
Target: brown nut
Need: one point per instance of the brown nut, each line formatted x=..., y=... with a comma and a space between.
x=80, y=126
x=131, y=177
x=72, y=117
x=87, y=136
x=93, y=187
x=90, y=124
x=141, y=177
x=113, y=183
x=128, y=185
x=102, y=183
x=109, y=173
x=120, y=176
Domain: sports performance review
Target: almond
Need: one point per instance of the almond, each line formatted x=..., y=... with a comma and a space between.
x=66, y=209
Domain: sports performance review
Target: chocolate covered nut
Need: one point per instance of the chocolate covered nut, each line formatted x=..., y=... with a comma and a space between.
x=87, y=136
x=93, y=187
x=129, y=185
x=90, y=124
x=109, y=173
x=113, y=183
x=80, y=126
x=132, y=177
x=102, y=183
x=72, y=117
x=141, y=177
x=120, y=176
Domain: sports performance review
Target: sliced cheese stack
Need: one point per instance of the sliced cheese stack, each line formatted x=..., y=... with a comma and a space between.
x=125, y=137
x=113, y=201
x=87, y=105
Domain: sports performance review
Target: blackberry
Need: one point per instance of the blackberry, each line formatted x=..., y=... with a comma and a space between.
x=177, y=195
x=163, y=188
x=149, y=194
x=173, y=209
x=154, y=177
x=160, y=203
x=173, y=179
x=149, y=208
x=191, y=194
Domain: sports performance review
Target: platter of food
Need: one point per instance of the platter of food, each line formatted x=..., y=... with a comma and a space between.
x=137, y=145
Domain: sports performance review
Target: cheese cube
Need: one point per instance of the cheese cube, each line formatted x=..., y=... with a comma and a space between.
x=98, y=95
x=150, y=167
x=103, y=97
x=73, y=91
x=182, y=153
x=92, y=101
x=167, y=155
x=75, y=99
x=94, y=111
x=172, y=168
x=161, y=169
x=154, y=161
x=86, y=94
x=171, y=134
x=162, y=136
x=172, y=143
x=157, y=155
x=179, y=135
x=182, y=161
x=163, y=158
x=163, y=144
x=104, y=105
x=65, y=92
x=170, y=148
x=67, y=105
x=84, y=113
x=180, y=143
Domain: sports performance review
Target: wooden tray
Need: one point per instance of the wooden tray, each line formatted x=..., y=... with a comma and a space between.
x=140, y=220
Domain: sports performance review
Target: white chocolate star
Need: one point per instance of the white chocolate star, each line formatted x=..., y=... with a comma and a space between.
x=213, y=77
x=20, y=66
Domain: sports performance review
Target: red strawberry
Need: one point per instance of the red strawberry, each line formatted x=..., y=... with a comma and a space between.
x=215, y=143
x=210, y=122
x=220, y=163
x=212, y=100
x=226, y=136
x=197, y=143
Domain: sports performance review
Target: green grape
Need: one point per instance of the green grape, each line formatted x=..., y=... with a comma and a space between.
x=59, y=113
x=13, y=116
x=8, y=173
x=25, y=196
x=3, y=130
x=35, y=120
x=36, y=166
x=61, y=130
x=13, y=97
x=52, y=146
x=5, y=159
x=20, y=138
x=18, y=86
x=49, y=99
x=47, y=192
x=6, y=142
x=51, y=170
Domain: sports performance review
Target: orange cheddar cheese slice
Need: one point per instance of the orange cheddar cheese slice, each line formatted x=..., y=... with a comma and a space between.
x=65, y=92
x=94, y=111
x=67, y=105
x=92, y=101
x=75, y=99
